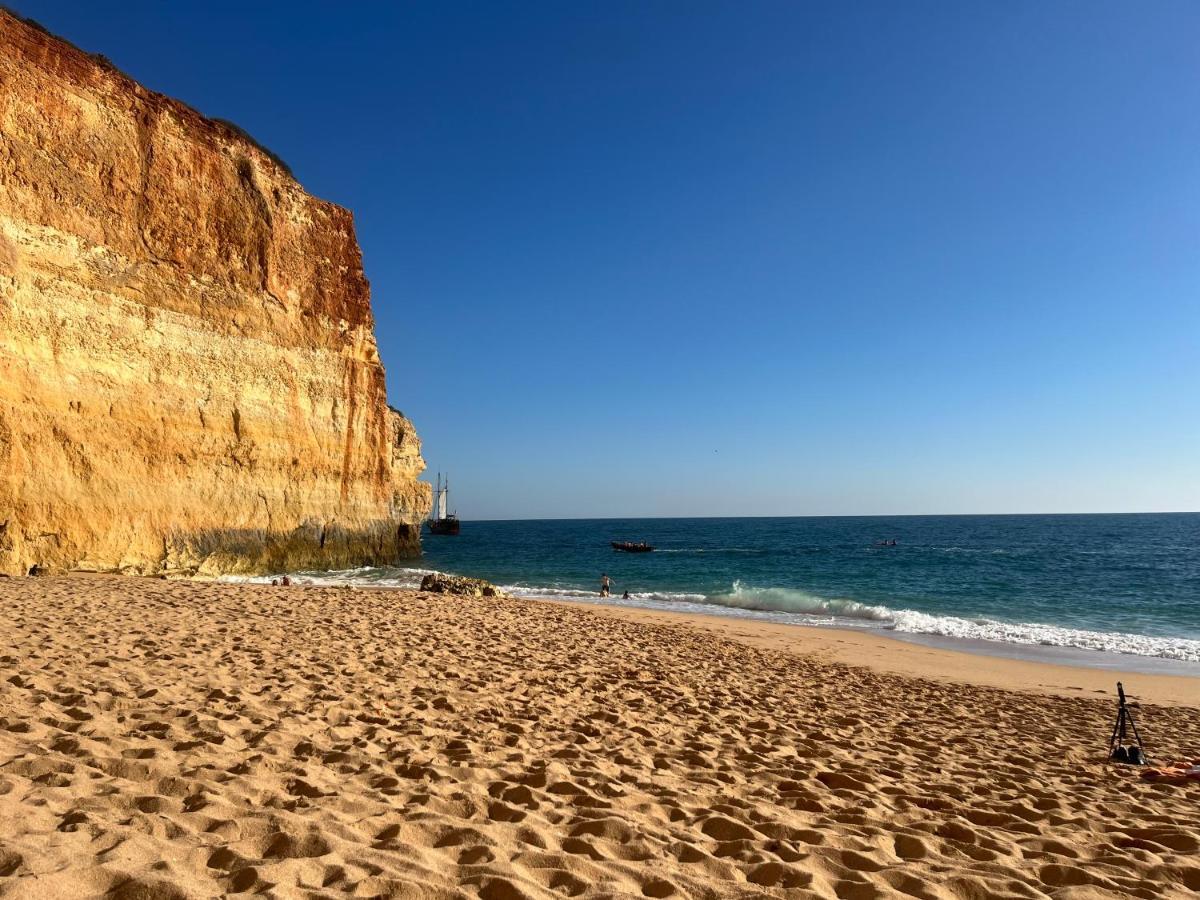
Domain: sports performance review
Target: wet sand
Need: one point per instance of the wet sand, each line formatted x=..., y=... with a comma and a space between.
x=176, y=739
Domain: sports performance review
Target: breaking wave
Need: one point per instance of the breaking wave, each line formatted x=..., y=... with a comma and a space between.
x=911, y=621
x=790, y=600
x=792, y=606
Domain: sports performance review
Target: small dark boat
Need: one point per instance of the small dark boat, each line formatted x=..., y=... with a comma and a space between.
x=439, y=521
x=631, y=547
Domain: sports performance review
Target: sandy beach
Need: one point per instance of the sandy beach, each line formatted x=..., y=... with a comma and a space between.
x=172, y=739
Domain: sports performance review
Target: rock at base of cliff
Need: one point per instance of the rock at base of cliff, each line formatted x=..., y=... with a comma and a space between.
x=437, y=583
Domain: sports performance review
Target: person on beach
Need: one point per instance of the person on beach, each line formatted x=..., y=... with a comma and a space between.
x=625, y=596
x=604, y=585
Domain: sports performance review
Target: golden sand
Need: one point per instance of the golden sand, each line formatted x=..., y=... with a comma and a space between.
x=173, y=739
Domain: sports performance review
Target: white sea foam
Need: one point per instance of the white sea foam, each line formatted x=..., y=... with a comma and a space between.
x=365, y=576
x=789, y=605
x=913, y=622
x=551, y=593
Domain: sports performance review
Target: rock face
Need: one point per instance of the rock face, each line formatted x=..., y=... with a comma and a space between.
x=189, y=380
x=436, y=583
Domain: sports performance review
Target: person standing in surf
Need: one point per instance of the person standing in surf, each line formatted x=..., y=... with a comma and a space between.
x=604, y=585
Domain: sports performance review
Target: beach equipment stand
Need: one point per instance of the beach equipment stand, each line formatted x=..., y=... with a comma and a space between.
x=1119, y=747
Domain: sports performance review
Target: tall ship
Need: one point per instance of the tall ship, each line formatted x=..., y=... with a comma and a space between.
x=439, y=521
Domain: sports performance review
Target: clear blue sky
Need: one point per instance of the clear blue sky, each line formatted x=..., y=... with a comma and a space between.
x=674, y=258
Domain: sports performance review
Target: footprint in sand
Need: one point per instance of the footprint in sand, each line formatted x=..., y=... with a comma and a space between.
x=474, y=856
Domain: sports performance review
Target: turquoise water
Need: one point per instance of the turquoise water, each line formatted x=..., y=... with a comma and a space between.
x=1118, y=583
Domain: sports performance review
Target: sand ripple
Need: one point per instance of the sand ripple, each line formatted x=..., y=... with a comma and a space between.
x=164, y=740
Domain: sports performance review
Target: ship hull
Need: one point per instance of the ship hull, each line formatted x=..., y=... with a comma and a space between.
x=448, y=525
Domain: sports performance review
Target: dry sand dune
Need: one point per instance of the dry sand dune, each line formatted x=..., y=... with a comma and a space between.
x=171, y=739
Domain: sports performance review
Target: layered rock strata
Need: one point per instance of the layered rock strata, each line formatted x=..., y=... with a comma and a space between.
x=189, y=379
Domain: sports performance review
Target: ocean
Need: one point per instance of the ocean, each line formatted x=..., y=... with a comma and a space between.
x=1116, y=584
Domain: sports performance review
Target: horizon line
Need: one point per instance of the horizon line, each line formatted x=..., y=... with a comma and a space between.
x=1179, y=512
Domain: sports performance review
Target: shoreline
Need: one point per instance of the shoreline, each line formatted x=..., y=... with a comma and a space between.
x=915, y=655
x=1114, y=664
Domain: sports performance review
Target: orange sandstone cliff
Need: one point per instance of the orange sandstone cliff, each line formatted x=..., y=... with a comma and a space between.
x=189, y=380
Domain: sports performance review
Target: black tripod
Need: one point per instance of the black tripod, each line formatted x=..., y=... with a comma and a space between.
x=1119, y=748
